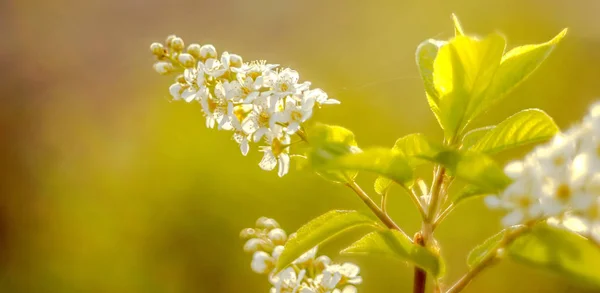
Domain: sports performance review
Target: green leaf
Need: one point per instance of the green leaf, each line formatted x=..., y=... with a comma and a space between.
x=560, y=251
x=414, y=147
x=516, y=66
x=462, y=71
x=474, y=168
x=425, y=56
x=321, y=229
x=389, y=163
x=382, y=184
x=525, y=127
x=468, y=192
x=458, y=30
x=473, y=136
x=328, y=142
x=391, y=243
x=481, y=251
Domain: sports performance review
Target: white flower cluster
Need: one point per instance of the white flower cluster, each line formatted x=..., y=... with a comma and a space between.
x=254, y=100
x=307, y=274
x=559, y=180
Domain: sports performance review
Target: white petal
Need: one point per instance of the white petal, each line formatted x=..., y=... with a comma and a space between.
x=331, y=102
x=268, y=162
x=513, y=218
x=175, y=90
x=244, y=146
x=260, y=133
x=492, y=201
x=284, y=164
x=293, y=127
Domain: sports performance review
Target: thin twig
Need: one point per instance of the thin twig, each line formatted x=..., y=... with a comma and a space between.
x=375, y=209
x=384, y=197
x=415, y=198
x=420, y=275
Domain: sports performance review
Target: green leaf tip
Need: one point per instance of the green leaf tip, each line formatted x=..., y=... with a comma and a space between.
x=391, y=243
x=458, y=30
x=321, y=229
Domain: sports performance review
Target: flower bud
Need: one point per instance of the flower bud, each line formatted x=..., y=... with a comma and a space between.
x=322, y=262
x=208, y=51
x=177, y=44
x=163, y=67
x=270, y=224
x=247, y=233
x=157, y=49
x=262, y=262
x=187, y=60
x=278, y=236
x=169, y=40
x=253, y=245
x=277, y=251
x=266, y=223
x=194, y=50
x=235, y=60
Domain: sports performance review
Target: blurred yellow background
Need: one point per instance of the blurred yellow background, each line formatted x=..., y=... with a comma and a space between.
x=107, y=186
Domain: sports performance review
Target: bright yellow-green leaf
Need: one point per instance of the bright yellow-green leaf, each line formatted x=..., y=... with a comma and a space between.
x=389, y=163
x=391, y=243
x=414, y=147
x=469, y=191
x=560, y=251
x=473, y=136
x=425, y=56
x=328, y=142
x=525, y=127
x=458, y=30
x=382, y=184
x=474, y=168
x=462, y=71
x=321, y=229
x=518, y=64
x=481, y=251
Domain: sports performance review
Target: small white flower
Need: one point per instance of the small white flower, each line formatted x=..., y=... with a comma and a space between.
x=328, y=280
x=555, y=157
x=212, y=67
x=262, y=262
x=175, y=90
x=295, y=113
x=287, y=281
x=348, y=271
x=286, y=83
x=320, y=97
x=276, y=153
x=258, y=121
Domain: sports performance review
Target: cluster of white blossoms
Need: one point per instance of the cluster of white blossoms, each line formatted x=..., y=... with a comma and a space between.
x=558, y=181
x=307, y=274
x=254, y=100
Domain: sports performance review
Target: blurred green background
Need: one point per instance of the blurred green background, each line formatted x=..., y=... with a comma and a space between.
x=107, y=186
